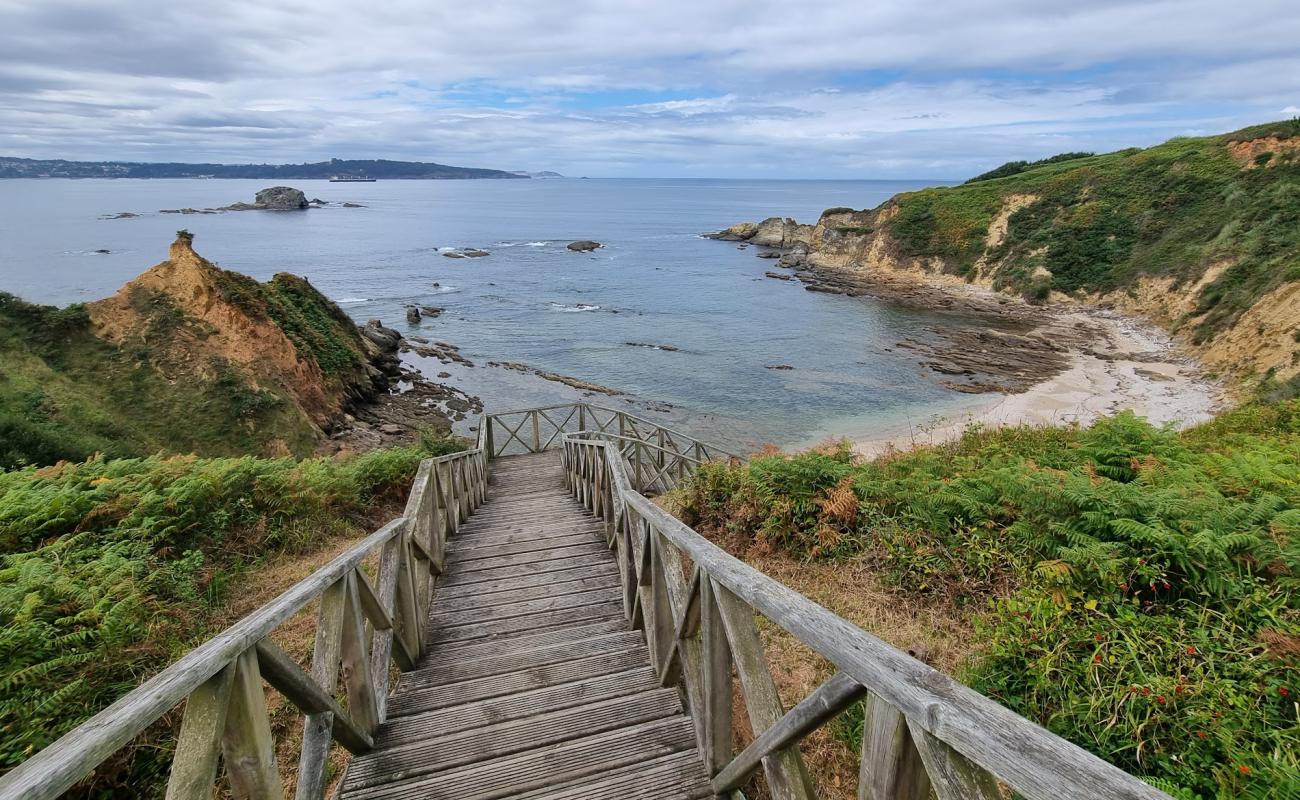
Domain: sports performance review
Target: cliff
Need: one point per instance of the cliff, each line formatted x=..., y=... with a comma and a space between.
x=1200, y=235
x=187, y=357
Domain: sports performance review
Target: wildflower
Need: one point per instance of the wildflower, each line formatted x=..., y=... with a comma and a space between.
x=1179, y=689
x=1243, y=769
x=1146, y=690
x=1282, y=691
x=1201, y=734
x=1165, y=584
x=1096, y=659
x=1100, y=638
x=1160, y=698
x=1191, y=651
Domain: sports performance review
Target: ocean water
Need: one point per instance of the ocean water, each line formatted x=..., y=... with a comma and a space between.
x=656, y=281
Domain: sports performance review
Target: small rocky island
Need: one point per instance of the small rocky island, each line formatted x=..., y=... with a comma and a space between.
x=274, y=198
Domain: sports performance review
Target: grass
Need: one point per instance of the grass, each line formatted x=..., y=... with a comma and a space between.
x=110, y=568
x=1102, y=221
x=1130, y=588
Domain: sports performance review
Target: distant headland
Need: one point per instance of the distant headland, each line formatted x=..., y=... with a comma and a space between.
x=372, y=168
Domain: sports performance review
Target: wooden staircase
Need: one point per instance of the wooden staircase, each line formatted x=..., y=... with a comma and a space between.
x=533, y=686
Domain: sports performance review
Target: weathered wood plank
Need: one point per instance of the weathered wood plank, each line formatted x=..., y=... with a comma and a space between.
x=295, y=684
x=811, y=713
x=952, y=775
x=248, y=747
x=318, y=728
x=891, y=768
x=198, y=748
x=437, y=754
x=546, y=767
x=785, y=772
x=520, y=705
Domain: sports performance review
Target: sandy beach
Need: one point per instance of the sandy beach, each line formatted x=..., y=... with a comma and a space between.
x=1128, y=365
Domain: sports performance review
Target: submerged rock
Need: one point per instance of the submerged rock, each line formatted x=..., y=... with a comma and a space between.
x=584, y=246
x=413, y=315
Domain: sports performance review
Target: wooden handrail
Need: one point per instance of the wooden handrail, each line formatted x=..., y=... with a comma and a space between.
x=924, y=730
x=361, y=627
x=526, y=434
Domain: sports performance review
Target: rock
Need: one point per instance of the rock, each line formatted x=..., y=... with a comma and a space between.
x=768, y=254
x=736, y=233
x=1151, y=374
x=103, y=251
x=474, y=253
x=778, y=366
x=387, y=339
x=390, y=429
x=281, y=198
x=665, y=347
x=353, y=205
x=120, y=215
x=780, y=276
x=413, y=315
x=457, y=404
x=453, y=254
x=444, y=374
x=584, y=246
x=242, y=207
x=431, y=311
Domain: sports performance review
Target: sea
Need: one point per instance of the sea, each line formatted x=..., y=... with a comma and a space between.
x=655, y=282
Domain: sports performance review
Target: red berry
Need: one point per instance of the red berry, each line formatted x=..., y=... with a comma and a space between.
x=1160, y=698
x=1243, y=769
x=1191, y=651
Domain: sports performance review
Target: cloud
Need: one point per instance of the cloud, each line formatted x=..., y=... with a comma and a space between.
x=707, y=87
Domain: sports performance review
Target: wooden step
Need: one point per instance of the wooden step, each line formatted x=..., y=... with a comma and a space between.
x=513, y=658
x=555, y=766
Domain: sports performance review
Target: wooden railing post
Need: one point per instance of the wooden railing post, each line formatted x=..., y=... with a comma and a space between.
x=787, y=778
x=248, y=748
x=357, y=677
x=317, y=728
x=715, y=660
x=537, y=432
x=198, y=748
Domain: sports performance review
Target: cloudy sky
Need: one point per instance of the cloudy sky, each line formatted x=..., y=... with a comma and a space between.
x=762, y=88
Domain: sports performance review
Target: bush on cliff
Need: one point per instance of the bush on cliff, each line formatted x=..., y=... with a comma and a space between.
x=1137, y=590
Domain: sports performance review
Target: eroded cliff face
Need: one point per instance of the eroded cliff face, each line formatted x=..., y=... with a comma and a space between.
x=1201, y=237
x=186, y=357
x=212, y=331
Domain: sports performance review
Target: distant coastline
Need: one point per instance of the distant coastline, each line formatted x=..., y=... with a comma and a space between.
x=380, y=169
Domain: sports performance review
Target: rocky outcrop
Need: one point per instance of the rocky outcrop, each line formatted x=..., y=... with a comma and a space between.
x=584, y=246
x=298, y=358
x=771, y=232
x=281, y=198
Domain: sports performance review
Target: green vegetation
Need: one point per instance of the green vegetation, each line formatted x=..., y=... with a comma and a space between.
x=1099, y=222
x=66, y=394
x=109, y=569
x=1135, y=589
x=1017, y=167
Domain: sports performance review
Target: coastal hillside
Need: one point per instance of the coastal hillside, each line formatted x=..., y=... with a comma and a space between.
x=319, y=170
x=185, y=358
x=1200, y=235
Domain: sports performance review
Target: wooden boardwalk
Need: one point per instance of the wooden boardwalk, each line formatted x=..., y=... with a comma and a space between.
x=533, y=686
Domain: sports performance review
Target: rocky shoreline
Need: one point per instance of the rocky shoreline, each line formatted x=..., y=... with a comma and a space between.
x=1045, y=364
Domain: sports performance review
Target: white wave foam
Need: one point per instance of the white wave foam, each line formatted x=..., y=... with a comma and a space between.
x=574, y=308
x=354, y=300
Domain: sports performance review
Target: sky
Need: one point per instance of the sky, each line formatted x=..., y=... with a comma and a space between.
x=667, y=88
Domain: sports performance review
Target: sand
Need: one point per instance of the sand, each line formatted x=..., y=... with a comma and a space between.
x=1128, y=365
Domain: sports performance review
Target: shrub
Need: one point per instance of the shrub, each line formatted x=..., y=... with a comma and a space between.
x=1134, y=587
